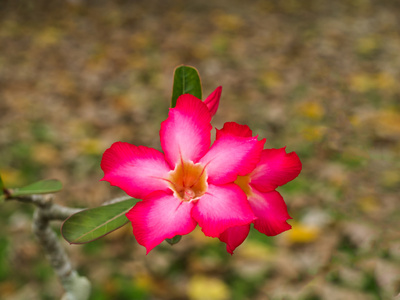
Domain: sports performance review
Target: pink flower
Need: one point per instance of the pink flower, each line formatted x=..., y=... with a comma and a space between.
x=276, y=168
x=190, y=183
x=212, y=101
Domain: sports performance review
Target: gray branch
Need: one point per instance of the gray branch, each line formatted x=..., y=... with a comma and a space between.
x=76, y=287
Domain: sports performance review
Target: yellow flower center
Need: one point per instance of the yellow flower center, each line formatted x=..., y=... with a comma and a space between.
x=244, y=183
x=188, y=181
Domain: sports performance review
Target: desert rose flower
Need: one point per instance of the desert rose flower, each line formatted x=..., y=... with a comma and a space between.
x=190, y=183
x=276, y=168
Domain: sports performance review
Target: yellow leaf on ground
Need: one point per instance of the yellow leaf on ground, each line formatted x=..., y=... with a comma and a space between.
x=312, y=110
x=387, y=124
x=207, y=288
x=362, y=82
x=256, y=250
x=301, y=233
x=368, y=204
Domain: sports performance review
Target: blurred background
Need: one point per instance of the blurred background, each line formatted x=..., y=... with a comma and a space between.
x=320, y=77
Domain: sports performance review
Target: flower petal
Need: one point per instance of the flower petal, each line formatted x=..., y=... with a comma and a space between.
x=222, y=207
x=212, y=101
x=276, y=168
x=186, y=133
x=230, y=156
x=271, y=212
x=234, y=237
x=158, y=217
x=234, y=128
x=137, y=170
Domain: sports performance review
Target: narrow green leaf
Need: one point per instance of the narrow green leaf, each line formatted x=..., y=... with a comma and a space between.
x=40, y=187
x=174, y=240
x=186, y=81
x=92, y=224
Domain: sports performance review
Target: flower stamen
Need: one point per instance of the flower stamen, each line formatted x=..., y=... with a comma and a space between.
x=188, y=194
x=188, y=181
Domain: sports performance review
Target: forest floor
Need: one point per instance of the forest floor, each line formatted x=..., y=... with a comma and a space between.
x=319, y=77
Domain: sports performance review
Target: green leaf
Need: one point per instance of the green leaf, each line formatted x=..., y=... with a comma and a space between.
x=40, y=187
x=92, y=224
x=186, y=81
x=174, y=240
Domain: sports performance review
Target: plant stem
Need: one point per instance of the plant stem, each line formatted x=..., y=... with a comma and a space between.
x=76, y=287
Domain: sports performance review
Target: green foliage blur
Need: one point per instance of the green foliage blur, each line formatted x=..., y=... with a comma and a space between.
x=320, y=77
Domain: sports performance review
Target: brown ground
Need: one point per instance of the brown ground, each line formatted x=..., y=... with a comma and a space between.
x=321, y=77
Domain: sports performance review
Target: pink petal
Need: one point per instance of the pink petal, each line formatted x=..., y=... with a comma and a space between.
x=234, y=237
x=185, y=134
x=276, y=168
x=222, y=207
x=212, y=101
x=137, y=170
x=158, y=217
x=236, y=129
x=271, y=212
x=230, y=156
